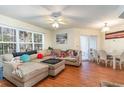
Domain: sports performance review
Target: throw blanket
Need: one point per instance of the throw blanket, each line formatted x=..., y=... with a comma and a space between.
x=27, y=68
x=17, y=70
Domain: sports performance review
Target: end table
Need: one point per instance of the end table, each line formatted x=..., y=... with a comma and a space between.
x=1, y=71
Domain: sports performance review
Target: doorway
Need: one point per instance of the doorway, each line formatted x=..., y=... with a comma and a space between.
x=87, y=43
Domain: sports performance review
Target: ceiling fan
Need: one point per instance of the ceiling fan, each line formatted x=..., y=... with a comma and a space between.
x=56, y=19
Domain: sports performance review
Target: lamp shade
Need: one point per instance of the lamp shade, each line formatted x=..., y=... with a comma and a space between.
x=105, y=28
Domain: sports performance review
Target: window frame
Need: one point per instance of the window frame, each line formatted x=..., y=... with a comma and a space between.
x=17, y=42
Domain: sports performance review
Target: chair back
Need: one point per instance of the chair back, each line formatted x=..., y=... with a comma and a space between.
x=93, y=53
x=102, y=54
x=122, y=56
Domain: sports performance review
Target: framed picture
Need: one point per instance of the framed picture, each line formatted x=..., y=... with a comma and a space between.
x=61, y=38
x=115, y=35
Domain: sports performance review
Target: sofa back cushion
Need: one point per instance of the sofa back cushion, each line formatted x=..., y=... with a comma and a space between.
x=73, y=53
x=45, y=52
x=48, y=53
x=15, y=54
x=7, y=57
x=57, y=52
x=33, y=56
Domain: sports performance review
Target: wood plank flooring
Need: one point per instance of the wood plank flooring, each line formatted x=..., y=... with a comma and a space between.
x=87, y=75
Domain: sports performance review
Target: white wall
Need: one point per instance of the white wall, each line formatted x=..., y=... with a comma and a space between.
x=116, y=45
x=113, y=45
x=4, y=20
x=74, y=38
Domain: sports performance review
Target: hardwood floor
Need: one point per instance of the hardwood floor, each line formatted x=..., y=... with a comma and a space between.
x=88, y=75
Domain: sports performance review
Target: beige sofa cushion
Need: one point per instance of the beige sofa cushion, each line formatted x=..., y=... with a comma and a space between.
x=7, y=57
x=45, y=52
x=69, y=59
x=30, y=70
x=33, y=56
x=57, y=52
x=48, y=53
x=44, y=58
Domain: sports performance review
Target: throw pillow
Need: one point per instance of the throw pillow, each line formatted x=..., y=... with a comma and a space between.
x=70, y=53
x=75, y=53
x=39, y=56
x=63, y=54
x=25, y=58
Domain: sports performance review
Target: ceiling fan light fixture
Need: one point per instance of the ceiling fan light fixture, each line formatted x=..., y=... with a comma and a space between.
x=55, y=25
x=105, y=28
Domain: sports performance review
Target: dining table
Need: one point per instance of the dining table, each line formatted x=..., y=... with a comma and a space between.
x=114, y=58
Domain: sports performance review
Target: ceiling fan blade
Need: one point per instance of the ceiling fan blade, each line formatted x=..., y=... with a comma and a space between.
x=36, y=17
x=51, y=19
x=62, y=23
x=60, y=19
x=74, y=19
x=46, y=7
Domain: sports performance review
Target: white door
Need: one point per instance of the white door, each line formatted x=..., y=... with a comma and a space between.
x=87, y=43
x=92, y=43
x=84, y=47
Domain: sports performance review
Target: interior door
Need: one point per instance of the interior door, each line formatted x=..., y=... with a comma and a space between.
x=84, y=47
x=92, y=43
x=87, y=43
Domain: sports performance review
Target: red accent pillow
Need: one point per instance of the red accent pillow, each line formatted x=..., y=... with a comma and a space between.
x=39, y=56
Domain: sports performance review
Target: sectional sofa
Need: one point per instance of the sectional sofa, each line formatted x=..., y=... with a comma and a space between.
x=71, y=57
x=29, y=73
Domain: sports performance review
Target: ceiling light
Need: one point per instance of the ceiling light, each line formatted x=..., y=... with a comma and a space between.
x=55, y=25
x=105, y=28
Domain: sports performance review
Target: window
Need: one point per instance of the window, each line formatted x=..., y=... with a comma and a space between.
x=38, y=41
x=7, y=40
x=25, y=36
x=9, y=48
x=0, y=34
x=25, y=40
x=12, y=40
x=9, y=35
x=1, y=48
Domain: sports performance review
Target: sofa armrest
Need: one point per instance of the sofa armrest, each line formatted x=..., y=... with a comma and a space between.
x=7, y=69
x=79, y=57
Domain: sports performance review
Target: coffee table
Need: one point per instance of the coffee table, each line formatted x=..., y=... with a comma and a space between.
x=52, y=61
x=55, y=66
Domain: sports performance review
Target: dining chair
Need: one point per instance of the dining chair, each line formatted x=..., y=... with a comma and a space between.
x=121, y=60
x=96, y=56
x=91, y=55
x=103, y=58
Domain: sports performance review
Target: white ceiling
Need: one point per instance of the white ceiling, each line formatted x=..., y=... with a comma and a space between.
x=82, y=16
